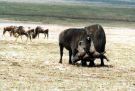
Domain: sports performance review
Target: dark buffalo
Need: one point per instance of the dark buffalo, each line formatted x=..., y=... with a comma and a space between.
x=98, y=42
x=70, y=39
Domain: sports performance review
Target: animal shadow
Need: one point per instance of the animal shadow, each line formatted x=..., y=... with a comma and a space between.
x=96, y=66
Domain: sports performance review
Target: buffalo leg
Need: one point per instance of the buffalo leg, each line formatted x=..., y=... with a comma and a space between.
x=61, y=53
x=91, y=63
x=102, y=61
x=83, y=62
x=75, y=57
x=70, y=54
x=38, y=35
x=47, y=35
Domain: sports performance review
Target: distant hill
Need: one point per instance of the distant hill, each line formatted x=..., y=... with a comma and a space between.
x=114, y=2
x=69, y=11
x=101, y=2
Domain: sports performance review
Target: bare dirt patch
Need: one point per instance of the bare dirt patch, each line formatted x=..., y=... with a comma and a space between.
x=33, y=66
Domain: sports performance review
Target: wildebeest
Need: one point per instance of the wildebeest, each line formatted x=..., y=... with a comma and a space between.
x=70, y=39
x=39, y=30
x=19, y=31
x=30, y=33
x=8, y=29
x=97, y=45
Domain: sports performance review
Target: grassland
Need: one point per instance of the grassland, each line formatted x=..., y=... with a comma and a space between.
x=66, y=14
x=33, y=66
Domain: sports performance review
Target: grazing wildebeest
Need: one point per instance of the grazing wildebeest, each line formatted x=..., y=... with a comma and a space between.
x=70, y=39
x=8, y=29
x=30, y=33
x=97, y=45
x=19, y=31
x=39, y=30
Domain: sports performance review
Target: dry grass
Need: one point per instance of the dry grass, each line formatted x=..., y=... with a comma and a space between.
x=33, y=66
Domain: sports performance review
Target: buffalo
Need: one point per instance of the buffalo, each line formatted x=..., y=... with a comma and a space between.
x=99, y=41
x=70, y=39
x=97, y=46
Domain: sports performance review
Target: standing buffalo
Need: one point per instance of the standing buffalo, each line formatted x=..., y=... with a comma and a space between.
x=70, y=39
x=97, y=45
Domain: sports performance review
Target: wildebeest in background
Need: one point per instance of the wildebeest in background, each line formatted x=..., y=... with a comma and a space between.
x=39, y=30
x=30, y=33
x=8, y=29
x=70, y=39
x=98, y=42
x=20, y=32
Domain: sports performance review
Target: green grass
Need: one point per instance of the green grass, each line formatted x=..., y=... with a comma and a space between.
x=65, y=13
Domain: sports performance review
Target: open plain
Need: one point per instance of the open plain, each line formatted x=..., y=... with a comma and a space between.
x=33, y=66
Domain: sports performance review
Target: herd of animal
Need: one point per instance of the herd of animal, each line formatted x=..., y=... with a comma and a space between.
x=85, y=44
x=20, y=31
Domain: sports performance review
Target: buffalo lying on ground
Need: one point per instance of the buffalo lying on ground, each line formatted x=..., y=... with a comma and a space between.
x=69, y=39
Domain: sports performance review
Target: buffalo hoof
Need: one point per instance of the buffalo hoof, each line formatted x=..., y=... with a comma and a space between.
x=70, y=62
x=60, y=62
x=73, y=62
x=83, y=63
x=92, y=64
x=102, y=65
